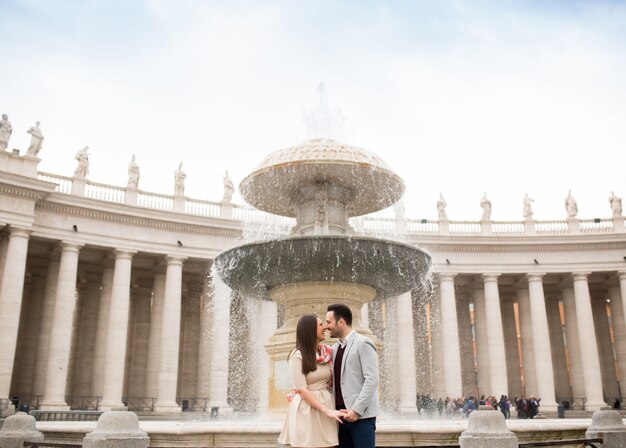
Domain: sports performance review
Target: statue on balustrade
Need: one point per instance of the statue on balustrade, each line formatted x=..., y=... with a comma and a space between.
x=616, y=205
x=36, y=140
x=229, y=188
x=133, y=174
x=441, y=207
x=5, y=132
x=82, y=156
x=571, y=206
x=528, y=209
x=179, y=180
x=486, y=205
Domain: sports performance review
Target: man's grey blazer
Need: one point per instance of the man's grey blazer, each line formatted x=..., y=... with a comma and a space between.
x=359, y=376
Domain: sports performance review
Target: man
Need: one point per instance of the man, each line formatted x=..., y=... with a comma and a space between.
x=355, y=379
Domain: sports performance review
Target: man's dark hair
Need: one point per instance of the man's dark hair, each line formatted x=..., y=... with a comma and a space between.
x=341, y=311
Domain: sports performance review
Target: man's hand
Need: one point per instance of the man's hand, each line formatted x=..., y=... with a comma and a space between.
x=351, y=416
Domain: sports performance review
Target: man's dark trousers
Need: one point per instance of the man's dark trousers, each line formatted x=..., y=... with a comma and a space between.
x=360, y=434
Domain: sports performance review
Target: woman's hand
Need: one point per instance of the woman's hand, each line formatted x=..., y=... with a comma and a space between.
x=337, y=415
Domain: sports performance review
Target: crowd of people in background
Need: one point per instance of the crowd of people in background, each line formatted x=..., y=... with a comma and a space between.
x=464, y=406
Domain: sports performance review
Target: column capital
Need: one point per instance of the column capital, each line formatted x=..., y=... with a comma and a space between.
x=70, y=246
x=446, y=275
x=578, y=276
x=490, y=276
x=19, y=232
x=124, y=254
x=621, y=275
x=535, y=276
x=175, y=260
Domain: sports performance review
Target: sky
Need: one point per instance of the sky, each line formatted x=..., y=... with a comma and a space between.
x=460, y=98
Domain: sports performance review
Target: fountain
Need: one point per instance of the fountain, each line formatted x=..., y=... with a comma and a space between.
x=321, y=183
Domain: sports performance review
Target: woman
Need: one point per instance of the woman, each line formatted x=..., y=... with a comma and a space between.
x=312, y=419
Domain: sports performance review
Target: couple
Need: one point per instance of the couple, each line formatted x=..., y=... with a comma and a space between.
x=335, y=398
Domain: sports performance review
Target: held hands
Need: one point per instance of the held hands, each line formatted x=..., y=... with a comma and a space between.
x=350, y=415
x=336, y=415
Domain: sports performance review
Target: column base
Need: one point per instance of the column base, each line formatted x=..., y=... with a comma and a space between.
x=594, y=405
x=548, y=407
x=112, y=407
x=167, y=408
x=54, y=406
x=222, y=408
x=407, y=408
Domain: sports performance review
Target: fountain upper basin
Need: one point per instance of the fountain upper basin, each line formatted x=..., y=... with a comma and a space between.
x=276, y=184
x=390, y=267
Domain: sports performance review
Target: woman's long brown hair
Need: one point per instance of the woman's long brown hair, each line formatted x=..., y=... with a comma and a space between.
x=306, y=342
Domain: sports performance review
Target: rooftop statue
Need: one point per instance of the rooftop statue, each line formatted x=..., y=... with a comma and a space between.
x=133, y=174
x=528, y=210
x=5, y=132
x=179, y=181
x=486, y=205
x=83, y=162
x=616, y=205
x=229, y=188
x=571, y=206
x=441, y=207
x=36, y=140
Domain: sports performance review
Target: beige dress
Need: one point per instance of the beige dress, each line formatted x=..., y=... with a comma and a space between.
x=305, y=426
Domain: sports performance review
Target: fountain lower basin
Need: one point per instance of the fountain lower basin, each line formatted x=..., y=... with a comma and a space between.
x=389, y=267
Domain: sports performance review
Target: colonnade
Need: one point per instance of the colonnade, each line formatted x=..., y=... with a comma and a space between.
x=541, y=335
x=121, y=330
x=102, y=333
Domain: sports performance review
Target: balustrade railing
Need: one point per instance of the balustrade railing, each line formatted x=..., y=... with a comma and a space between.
x=596, y=225
x=507, y=228
x=464, y=228
x=156, y=201
x=64, y=184
x=551, y=227
x=103, y=192
x=139, y=404
x=372, y=225
x=29, y=402
x=572, y=403
x=202, y=208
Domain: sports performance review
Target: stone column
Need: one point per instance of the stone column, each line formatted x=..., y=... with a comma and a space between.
x=205, y=348
x=140, y=341
x=495, y=337
x=482, y=349
x=406, y=353
x=605, y=348
x=117, y=333
x=90, y=297
x=588, y=344
x=622, y=287
x=170, y=337
x=11, y=290
x=61, y=333
x=154, y=346
x=514, y=376
x=450, y=337
x=577, y=381
x=528, y=354
x=100, y=343
x=218, y=393
x=557, y=346
x=47, y=312
x=541, y=343
x=619, y=328
x=28, y=334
